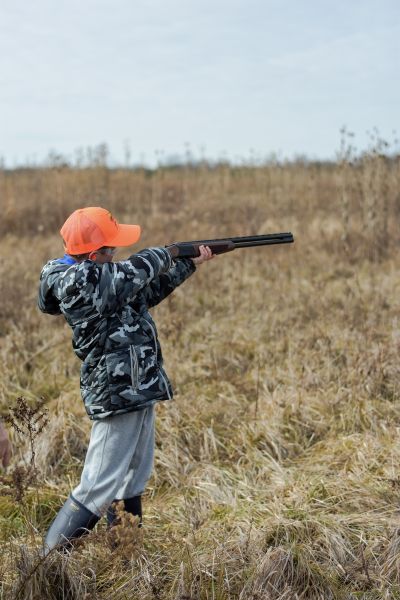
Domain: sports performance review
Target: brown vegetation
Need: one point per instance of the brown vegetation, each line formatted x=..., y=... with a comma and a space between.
x=276, y=471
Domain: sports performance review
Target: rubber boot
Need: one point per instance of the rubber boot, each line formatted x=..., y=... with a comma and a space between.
x=131, y=505
x=72, y=521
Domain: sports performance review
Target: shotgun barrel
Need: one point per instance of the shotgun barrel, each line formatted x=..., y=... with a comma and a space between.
x=222, y=245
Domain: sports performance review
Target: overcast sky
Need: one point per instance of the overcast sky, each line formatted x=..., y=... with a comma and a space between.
x=225, y=76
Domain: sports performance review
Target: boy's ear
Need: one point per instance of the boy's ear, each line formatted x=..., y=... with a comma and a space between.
x=92, y=255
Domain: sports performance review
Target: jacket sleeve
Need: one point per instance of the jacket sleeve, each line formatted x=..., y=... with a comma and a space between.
x=47, y=301
x=163, y=285
x=120, y=282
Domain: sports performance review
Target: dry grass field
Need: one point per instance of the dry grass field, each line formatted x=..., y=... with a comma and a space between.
x=277, y=463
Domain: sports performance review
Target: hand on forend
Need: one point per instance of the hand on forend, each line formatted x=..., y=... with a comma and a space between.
x=205, y=254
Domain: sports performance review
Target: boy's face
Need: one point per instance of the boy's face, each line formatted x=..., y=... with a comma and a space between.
x=104, y=255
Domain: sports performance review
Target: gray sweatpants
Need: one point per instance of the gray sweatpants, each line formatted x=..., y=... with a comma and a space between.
x=119, y=459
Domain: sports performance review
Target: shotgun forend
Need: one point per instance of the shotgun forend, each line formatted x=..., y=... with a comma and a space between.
x=222, y=245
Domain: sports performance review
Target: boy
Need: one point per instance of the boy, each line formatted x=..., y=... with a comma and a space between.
x=122, y=376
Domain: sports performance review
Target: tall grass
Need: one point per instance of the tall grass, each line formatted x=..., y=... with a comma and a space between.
x=276, y=472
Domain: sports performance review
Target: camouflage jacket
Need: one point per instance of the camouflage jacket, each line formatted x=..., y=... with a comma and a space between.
x=113, y=333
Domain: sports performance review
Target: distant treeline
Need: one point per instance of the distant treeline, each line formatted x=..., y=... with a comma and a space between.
x=358, y=197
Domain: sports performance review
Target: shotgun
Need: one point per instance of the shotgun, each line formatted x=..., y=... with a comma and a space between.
x=222, y=245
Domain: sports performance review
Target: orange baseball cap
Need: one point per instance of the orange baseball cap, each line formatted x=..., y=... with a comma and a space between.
x=90, y=228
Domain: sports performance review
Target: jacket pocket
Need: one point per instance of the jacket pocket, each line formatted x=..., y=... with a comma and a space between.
x=146, y=361
x=131, y=366
x=122, y=368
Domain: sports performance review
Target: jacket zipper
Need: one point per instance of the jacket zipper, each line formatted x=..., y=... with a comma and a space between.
x=134, y=368
x=154, y=335
x=159, y=370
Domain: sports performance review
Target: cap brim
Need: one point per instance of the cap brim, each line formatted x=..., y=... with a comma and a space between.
x=126, y=236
